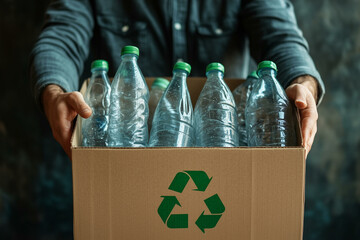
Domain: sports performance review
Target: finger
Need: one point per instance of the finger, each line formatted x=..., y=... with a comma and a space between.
x=305, y=130
x=309, y=114
x=309, y=118
x=298, y=94
x=305, y=102
x=77, y=102
x=311, y=139
x=308, y=121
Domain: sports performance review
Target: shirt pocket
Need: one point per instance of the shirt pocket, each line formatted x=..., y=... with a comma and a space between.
x=116, y=33
x=213, y=39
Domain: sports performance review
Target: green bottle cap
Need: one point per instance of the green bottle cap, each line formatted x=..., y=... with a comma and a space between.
x=130, y=50
x=183, y=66
x=99, y=64
x=266, y=64
x=160, y=82
x=253, y=74
x=215, y=66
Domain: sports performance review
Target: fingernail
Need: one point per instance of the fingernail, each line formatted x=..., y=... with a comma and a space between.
x=300, y=101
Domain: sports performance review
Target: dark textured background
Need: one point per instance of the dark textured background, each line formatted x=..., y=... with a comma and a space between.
x=35, y=186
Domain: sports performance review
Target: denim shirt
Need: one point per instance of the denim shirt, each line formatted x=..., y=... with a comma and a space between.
x=196, y=31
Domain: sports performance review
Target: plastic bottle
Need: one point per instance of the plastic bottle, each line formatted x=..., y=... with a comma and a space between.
x=157, y=90
x=269, y=114
x=241, y=95
x=129, y=109
x=97, y=96
x=172, y=125
x=215, y=112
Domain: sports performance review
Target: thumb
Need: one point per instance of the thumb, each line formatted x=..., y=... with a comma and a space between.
x=297, y=93
x=77, y=102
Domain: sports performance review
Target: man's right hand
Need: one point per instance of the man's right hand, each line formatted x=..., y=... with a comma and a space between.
x=60, y=109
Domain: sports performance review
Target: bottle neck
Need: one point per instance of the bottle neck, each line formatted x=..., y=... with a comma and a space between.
x=215, y=74
x=99, y=71
x=267, y=72
x=179, y=73
x=129, y=57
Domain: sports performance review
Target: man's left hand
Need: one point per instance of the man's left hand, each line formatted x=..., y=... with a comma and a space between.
x=303, y=91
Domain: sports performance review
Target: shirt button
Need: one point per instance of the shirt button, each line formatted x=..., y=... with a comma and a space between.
x=218, y=31
x=125, y=28
x=177, y=26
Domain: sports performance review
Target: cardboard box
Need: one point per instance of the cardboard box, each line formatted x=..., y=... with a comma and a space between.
x=188, y=193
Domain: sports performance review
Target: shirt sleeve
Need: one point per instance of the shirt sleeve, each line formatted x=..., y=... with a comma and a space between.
x=274, y=35
x=63, y=45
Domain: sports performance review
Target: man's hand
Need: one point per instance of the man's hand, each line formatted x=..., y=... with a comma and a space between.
x=303, y=90
x=60, y=109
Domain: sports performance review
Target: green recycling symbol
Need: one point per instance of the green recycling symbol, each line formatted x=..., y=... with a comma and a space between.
x=213, y=203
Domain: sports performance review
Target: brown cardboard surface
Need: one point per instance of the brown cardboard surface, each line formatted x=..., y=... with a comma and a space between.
x=117, y=191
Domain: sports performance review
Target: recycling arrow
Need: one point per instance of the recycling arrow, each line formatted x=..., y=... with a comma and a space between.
x=166, y=206
x=178, y=221
x=200, y=179
x=213, y=203
x=216, y=208
x=207, y=221
x=179, y=182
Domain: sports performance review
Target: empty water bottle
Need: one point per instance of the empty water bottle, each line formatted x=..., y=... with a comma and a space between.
x=157, y=90
x=215, y=112
x=241, y=95
x=97, y=96
x=172, y=125
x=129, y=110
x=269, y=114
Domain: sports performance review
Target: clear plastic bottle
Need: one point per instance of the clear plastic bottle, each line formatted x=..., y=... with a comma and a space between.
x=97, y=96
x=215, y=112
x=129, y=109
x=173, y=119
x=269, y=114
x=241, y=95
x=157, y=90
